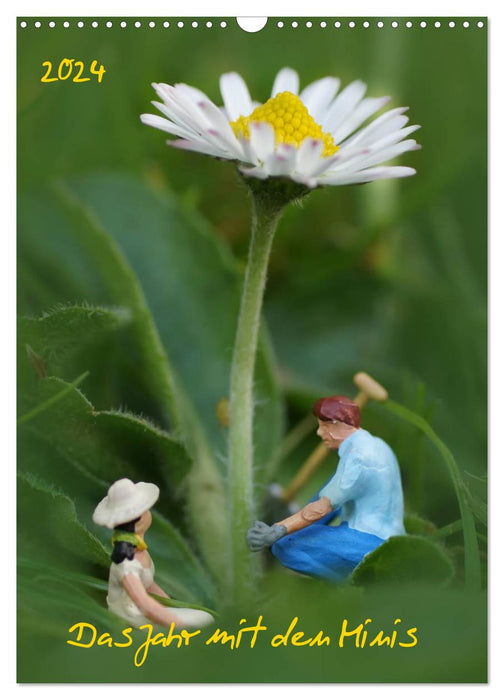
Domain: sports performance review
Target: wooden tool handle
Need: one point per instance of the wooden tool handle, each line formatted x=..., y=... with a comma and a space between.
x=368, y=389
x=309, y=467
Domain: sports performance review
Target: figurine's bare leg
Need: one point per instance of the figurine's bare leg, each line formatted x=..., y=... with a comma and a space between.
x=152, y=610
x=158, y=613
x=157, y=590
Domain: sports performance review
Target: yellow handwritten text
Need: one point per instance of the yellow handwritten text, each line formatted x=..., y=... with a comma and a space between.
x=87, y=636
x=410, y=633
x=357, y=634
x=69, y=67
x=360, y=635
x=182, y=639
x=297, y=638
x=103, y=639
x=235, y=639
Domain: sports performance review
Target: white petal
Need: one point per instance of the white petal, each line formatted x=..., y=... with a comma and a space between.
x=310, y=182
x=249, y=155
x=215, y=117
x=366, y=108
x=236, y=96
x=282, y=161
x=287, y=80
x=258, y=172
x=308, y=156
x=324, y=164
x=345, y=158
x=165, y=125
x=191, y=92
x=216, y=139
x=387, y=140
x=317, y=96
x=343, y=105
x=220, y=126
x=361, y=158
x=180, y=117
x=393, y=120
x=180, y=109
x=367, y=175
x=262, y=139
x=379, y=155
x=198, y=147
x=162, y=89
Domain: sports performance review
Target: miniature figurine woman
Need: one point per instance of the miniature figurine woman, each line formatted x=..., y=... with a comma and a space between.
x=126, y=510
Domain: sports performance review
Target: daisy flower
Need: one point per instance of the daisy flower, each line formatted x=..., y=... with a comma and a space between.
x=314, y=137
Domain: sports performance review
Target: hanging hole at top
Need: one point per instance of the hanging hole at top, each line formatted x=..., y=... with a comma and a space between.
x=252, y=24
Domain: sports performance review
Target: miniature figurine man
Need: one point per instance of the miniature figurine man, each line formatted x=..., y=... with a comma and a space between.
x=365, y=492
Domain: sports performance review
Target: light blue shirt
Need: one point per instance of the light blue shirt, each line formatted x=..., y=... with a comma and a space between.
x=367, y=486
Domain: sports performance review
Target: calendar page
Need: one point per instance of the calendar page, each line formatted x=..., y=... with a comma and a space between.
x=252, y=349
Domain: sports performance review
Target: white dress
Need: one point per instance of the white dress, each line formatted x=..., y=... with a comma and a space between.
x=121, y=604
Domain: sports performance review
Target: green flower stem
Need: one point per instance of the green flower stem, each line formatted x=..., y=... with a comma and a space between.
x=266, y=213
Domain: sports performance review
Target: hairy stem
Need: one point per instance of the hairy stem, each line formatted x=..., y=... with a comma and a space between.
x=266, y=213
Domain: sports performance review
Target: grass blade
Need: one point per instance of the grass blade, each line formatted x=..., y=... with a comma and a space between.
x=471, y=550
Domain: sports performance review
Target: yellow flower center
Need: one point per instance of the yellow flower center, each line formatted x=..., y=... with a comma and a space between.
x=290, y=120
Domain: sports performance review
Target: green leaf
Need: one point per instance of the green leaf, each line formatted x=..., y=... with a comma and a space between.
x=48, y=605
x=49, y=531
x=57, y=335
x=104, y=445
x=416, y=525
x=408, y=559
x=123, y=288
x=72, y=339
x=42, y=570
x=47, y=403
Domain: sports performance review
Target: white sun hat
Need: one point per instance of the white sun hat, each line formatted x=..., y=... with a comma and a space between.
x=125, y=501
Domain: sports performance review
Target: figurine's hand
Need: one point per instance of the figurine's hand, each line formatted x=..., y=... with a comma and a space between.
x=261, y=535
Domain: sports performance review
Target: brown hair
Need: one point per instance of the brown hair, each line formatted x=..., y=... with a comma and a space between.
x=341, y=408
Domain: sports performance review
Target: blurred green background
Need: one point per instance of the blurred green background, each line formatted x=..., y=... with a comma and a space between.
x=389, y=278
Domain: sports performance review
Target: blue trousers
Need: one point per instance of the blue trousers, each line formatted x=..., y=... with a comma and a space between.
x=323, y=551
